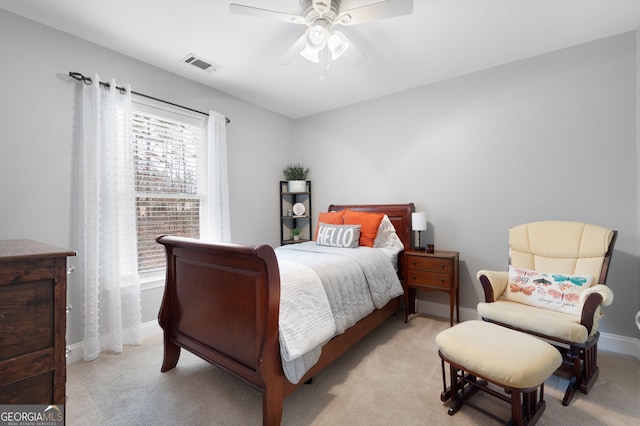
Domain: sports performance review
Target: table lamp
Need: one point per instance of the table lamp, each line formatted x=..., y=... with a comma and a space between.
x=419, y=223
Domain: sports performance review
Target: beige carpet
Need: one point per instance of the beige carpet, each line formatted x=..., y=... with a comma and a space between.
x=392, y=377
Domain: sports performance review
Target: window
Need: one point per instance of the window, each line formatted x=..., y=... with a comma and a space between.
x=169, y=146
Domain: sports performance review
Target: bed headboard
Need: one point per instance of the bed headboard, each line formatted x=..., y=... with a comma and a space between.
x=399, y=214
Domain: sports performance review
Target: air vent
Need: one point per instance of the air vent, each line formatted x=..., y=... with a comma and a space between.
x=198, y=62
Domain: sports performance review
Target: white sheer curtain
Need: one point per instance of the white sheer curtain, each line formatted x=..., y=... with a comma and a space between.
x=107, y=249
x=219, y=216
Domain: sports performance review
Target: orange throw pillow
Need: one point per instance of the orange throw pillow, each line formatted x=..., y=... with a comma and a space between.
x=330, y=218
x=369, y=223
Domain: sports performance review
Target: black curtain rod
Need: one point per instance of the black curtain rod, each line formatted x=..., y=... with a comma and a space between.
x=87, y=80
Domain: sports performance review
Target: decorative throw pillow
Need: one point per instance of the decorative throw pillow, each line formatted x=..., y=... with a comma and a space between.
x=387, y=237
x=369, y=225
x=338, y=235
x=333, y=218
x=558, y=292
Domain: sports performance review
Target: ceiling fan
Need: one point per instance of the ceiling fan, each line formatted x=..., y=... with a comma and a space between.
x=320, y=40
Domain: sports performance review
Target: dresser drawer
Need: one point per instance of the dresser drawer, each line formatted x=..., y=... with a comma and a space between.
x=427, y=278
x=430, y=264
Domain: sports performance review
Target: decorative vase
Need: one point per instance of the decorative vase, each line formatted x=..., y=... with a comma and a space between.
x=296, y=237
x=297, y=185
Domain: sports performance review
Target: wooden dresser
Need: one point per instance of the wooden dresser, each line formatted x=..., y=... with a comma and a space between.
x=33, y=294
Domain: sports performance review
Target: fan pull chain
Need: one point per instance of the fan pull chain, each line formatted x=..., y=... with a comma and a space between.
x=324, y=59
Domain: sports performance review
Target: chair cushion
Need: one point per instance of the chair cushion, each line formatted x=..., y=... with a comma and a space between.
x=562, y=326
x=559, y=247
x=558, y=292
x=504, y=356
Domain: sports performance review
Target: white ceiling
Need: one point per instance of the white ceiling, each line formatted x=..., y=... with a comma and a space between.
x=439, y=40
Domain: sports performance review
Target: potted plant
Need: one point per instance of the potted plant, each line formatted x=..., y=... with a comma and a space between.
x=296, y=175
x=295, y=232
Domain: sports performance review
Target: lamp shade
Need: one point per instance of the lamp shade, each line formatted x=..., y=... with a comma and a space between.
x=419, y=221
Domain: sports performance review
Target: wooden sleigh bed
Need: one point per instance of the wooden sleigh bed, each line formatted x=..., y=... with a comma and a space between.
x=221, y=302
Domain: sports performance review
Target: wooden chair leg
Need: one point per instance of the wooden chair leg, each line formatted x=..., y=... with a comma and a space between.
x=575, y=376
x=584, y=370
x=516, y=407
x=536, y=406
x=446, y=390
x=590, y=369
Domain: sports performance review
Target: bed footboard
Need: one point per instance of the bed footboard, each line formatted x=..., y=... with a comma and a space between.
x=237, y=328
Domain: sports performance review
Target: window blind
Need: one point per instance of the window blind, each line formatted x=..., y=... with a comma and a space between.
x=169, y=182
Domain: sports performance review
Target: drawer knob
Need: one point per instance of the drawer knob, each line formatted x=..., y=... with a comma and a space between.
x=442, y=265
x=413, y=276
x=413, y=262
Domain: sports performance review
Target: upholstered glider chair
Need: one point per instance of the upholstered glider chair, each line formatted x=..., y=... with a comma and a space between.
x=554, y=289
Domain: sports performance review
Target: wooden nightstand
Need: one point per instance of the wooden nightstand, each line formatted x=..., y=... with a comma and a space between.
x=432, y=272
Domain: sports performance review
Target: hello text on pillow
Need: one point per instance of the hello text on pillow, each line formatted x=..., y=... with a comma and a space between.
x=338, y=235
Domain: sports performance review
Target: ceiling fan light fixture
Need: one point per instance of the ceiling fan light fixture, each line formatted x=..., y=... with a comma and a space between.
x=316, y=39
x=338, y=44
x=317, y=36
x=310, y=54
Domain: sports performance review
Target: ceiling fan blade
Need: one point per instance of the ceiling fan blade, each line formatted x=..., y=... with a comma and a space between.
x=294, y=50
x=240, y=9
x=352, y=54
x=373, y=12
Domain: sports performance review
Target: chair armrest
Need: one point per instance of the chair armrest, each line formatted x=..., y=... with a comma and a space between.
x=493, y=283
x=603, y=290
x=591, y=299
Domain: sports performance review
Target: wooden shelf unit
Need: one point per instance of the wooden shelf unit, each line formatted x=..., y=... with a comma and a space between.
x=290, y=221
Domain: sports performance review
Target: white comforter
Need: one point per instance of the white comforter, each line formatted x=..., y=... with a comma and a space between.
x=323, y=292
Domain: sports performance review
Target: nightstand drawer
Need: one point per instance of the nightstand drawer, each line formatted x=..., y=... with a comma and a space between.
x=430, y=264
x=426, y=278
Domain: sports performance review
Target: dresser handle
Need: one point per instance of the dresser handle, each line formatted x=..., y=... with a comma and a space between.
x=442, y=265
x=413, y=276
x=413, y=262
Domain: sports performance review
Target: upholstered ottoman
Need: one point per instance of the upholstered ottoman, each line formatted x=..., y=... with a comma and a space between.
x=479, y=352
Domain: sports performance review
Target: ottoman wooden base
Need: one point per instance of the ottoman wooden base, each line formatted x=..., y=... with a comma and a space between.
x=481, y=353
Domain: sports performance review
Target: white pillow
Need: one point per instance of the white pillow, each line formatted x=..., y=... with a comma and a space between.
x=557, y=292
x=387, y=237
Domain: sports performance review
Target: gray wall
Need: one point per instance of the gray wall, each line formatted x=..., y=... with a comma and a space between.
x=37, y=109
x=549, y=137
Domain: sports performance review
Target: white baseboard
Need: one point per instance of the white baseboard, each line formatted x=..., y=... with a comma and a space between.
x=151, y=328
x=620, y=344
x=608, y=342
